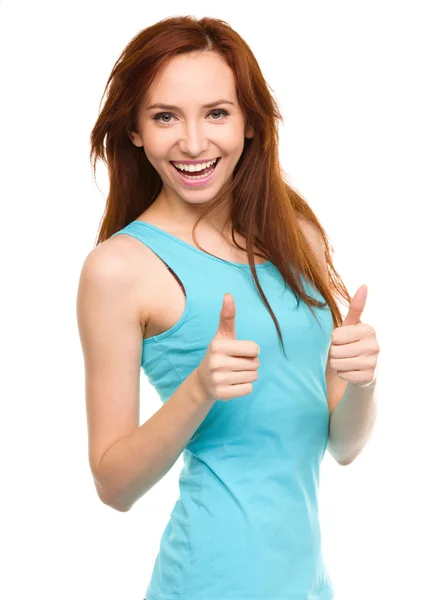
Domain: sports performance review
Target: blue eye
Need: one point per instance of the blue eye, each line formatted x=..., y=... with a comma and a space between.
x=217, y=110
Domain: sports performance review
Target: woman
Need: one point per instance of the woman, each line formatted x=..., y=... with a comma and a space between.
x=206, y=257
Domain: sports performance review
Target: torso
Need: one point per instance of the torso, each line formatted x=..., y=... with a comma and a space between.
x=161, y=296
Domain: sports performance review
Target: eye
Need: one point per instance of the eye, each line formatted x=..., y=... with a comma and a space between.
x=159, y=116
x=220, y=110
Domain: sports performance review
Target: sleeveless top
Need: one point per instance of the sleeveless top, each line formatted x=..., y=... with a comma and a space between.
x=245, y=525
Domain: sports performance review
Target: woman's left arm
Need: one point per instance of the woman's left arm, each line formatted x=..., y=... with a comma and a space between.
x=351, y=422
x=350, y=372
x=353, y=358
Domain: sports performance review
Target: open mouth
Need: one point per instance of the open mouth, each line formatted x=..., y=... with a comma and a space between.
x=197, y=175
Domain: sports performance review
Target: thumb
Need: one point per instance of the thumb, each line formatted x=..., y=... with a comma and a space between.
x=226, y=327
x=356, y=307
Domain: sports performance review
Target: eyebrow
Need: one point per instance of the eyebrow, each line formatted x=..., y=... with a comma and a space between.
x=171, y=107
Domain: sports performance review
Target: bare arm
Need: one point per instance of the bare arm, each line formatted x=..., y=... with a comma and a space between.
x=126, y=459
x=132, y=466
x=352, y=422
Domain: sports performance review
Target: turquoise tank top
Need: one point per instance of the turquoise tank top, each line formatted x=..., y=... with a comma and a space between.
x=246, y=523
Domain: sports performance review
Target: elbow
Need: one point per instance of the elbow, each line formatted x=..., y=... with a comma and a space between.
x=342, y=461
x=347, y=461
x=120, y=508
x=340, y=455
x=117, y=506
x=108, y=500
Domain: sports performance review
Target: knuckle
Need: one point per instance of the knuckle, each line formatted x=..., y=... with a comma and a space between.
x=213, y=362
x=218, y=377
x=219, y=391
x=214, y=345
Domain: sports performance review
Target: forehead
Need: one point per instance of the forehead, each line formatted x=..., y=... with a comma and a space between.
x=195, y=78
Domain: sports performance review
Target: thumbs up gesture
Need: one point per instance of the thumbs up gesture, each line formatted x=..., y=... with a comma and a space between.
x=354, y=348
x=230, y=365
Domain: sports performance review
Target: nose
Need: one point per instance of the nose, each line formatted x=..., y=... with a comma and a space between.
x=192, y=140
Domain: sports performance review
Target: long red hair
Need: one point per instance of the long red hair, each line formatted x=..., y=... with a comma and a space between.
x=264, y=208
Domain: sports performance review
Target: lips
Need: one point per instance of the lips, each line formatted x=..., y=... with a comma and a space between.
x=192, y=172
x=196, y=181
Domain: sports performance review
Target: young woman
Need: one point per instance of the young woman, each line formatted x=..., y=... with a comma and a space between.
x=205, y=259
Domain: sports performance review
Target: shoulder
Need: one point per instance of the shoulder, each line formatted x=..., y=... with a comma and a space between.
x=108, y=294
x=121, y=258
x=312, y=233
x=109, y=263
x=309, y=229
x=112, y=273
x=315, y=240
x=122, y=269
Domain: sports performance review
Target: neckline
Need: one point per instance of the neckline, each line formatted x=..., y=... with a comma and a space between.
x=183, y=243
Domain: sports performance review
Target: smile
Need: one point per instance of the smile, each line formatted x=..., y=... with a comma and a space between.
x=196, y=178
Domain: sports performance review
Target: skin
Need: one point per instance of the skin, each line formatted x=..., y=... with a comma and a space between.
x=191, y=132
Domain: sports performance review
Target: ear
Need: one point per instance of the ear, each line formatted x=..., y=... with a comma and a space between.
x=249, y=131
x=135, y=138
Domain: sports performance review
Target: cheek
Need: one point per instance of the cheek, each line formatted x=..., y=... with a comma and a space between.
x=230, y=146
x=155, y=154
x=231, y=139
x=156, y=144
x=149, y=155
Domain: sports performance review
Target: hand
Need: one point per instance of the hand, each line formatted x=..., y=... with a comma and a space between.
x=354, y=348
x=230, y=365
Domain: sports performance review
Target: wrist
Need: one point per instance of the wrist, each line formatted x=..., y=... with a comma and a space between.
x=372, y=382
x=199, y=395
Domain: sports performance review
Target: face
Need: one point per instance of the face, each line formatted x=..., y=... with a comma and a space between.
x=190, y=131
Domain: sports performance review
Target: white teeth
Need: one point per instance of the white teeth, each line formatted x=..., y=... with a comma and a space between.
x=192, y=168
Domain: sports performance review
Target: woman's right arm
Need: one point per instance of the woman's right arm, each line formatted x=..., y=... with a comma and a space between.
x=126, y=459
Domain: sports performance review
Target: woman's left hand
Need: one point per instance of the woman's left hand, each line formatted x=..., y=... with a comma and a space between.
x=354, y=347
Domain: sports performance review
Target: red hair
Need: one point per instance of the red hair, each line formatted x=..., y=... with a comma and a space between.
x=264, y=208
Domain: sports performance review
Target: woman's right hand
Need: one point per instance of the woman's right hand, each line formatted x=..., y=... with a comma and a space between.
x=230, y=365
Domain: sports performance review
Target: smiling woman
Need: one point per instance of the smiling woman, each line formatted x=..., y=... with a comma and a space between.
x=192, y=133
x=189, y=132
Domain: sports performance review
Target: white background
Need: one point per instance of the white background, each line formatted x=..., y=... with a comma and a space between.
x=353, y=81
